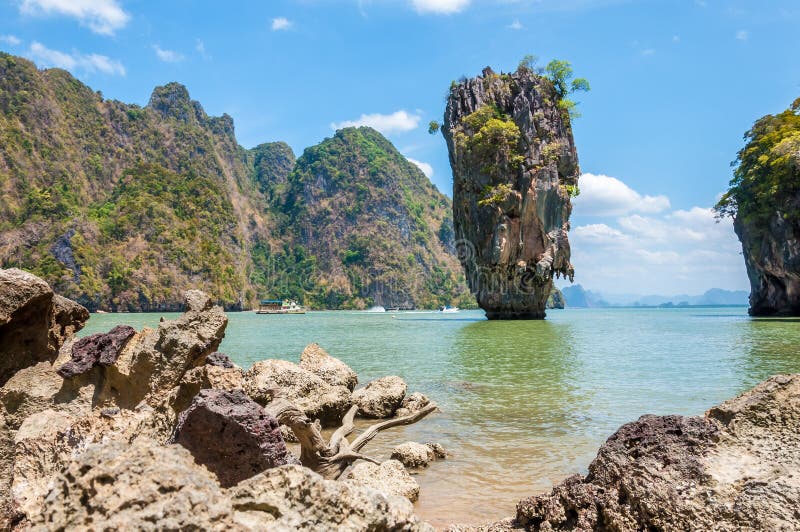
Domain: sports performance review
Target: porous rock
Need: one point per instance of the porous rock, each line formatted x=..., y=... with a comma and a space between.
x=296, y=498
x=413, y=454
x=388, y=477
x=413, y=403
x=142, y=486
x=438, y=449
x=330, y=369
x=146, y=486
x=220, y=360
x=315, y=397
x=33, y=322
x=231, y=435
x=380, y=398
x=733, y=469
x=98, y=348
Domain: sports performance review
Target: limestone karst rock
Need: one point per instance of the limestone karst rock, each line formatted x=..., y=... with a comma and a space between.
x=515, y=167
x=772, y=258
x=764, y=201
x=33, y=321
x=735, y=468
x=314, y=396
x=330, y=369
x=388, y=477
x=380, y=398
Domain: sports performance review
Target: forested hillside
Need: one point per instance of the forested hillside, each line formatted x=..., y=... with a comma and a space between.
x=123, y=207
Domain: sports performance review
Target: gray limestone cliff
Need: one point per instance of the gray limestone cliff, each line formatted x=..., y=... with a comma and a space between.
x=772, y=257
x=515, y=167
x=764, y=201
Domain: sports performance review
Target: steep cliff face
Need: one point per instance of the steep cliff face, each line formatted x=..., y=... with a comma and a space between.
x=764, y=200
x=272, y=163
x=380, y=231
x=514, y=168
x=772, y=257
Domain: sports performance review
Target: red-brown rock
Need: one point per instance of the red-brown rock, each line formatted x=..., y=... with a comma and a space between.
x=231, y=435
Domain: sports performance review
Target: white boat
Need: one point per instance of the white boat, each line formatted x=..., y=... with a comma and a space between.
x=376, y=308
x=280, y=306
x=448, y=309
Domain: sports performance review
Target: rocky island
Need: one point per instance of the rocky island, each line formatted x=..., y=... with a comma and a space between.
x=764, y=201
x=515, y=168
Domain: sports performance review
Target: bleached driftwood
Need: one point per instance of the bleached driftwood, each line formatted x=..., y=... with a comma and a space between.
x=331, y=458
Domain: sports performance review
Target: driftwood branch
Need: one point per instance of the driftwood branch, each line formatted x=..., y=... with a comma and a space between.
x=331, y=458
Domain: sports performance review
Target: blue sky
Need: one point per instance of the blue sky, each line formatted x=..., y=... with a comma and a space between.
x=675, y=84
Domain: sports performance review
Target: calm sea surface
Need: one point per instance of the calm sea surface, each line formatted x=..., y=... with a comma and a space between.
x=524, y=404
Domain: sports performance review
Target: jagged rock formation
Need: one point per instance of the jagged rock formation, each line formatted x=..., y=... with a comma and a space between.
x=122, y=207
x=764, y=200
x=87, y=431
x=514, y=168
x=733, y=469
x=34, y=322
x=772, y=258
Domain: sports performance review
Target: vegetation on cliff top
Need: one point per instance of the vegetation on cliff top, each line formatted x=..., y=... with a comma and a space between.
x=766, y=179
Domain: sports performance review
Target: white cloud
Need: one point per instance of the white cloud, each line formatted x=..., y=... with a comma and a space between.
x=648, y=51
x=444, y=7
x=676, y=38
x=281, y=23
x=604, y=195
x=74, y=61
x=168, y=56
x=101, y=16
x=200, y=46
x=659, y=251
x=426, y=168
x=396, y=122
x=742, y=35
x=516, y=25
x=10, y=40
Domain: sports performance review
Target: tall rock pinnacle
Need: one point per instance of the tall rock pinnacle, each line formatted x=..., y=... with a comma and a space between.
x=514, y=169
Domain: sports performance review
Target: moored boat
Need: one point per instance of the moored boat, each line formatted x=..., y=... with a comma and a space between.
x=448, y=309
x=280, y=306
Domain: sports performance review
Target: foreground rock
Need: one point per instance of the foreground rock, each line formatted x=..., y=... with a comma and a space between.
x=231, y=435
x=315, y=397
x=514, y=168
x=328, y=368
x=146, y=486
x=295, y=498
x=99, y=348
x=380, y=398
x=733, y=469
x=388, y=477
x=33, y=322
x=413, y=403
x=415, y=455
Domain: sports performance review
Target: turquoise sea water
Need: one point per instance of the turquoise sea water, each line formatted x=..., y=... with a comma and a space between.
x=526, y=403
